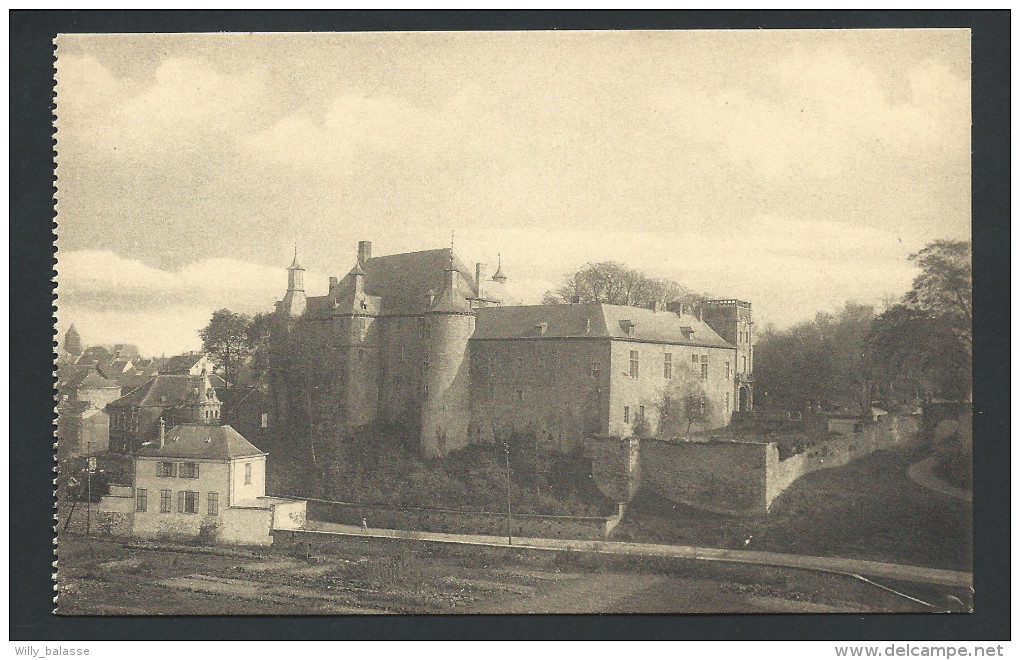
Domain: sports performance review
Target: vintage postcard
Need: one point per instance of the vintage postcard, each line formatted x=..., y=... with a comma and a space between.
x=514, y=322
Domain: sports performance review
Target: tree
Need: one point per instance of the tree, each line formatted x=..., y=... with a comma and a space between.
x=944, y=289
x=225, y=339
x=924, y=346
x=612, y=283
x=682, y=404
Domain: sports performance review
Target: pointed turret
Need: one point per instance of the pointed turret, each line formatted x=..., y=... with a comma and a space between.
x=500, y=275
x=452, y=300
x=294, y=302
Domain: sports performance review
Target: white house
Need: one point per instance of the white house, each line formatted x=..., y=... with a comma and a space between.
x=200, y=481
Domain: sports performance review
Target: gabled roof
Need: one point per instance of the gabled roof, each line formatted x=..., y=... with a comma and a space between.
x=165, y=391
x=180, y=364
x=403, y=280
x=594, y=320
x=80, y=376
x=202, y=442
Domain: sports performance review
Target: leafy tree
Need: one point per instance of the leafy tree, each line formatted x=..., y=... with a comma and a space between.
x=613, y=283
x=225, y=339
x=944, y=289
x=683, y=404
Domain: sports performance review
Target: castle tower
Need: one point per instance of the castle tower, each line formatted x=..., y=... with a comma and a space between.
x=446, y=386
x=201, y=405
x=293, y=304
x=72, y=341
x=732, y=320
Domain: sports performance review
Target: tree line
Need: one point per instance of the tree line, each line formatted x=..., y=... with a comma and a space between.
x=914, y=351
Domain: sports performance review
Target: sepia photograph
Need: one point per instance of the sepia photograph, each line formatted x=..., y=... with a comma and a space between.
x=522, y=322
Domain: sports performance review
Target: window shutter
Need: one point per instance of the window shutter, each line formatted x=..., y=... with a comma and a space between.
x=180, y=501
x=173, y=469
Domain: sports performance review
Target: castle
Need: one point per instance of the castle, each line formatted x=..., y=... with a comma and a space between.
x=420, y=342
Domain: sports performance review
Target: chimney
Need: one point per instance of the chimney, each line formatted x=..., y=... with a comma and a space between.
x=483, y=275
x=364, y=251
x=162, y=433
x=333, y=281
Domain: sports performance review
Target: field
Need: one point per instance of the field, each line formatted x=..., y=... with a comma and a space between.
x=372, y=576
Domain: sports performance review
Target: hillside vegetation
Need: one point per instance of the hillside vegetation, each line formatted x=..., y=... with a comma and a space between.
x=384, y=466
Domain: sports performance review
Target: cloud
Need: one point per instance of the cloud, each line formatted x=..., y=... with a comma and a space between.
x=115, y=300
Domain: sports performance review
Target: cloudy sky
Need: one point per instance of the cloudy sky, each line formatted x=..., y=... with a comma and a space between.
x=793, y=169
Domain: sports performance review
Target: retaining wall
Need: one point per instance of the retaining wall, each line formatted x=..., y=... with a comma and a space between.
x=736, y=477
x=462, y=522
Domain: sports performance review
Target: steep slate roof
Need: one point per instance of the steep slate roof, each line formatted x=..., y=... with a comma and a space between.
x=402, y=280
x=594, y=320
x=167, y=390
x=180, y=364
x=78, y=376
x=201, y=441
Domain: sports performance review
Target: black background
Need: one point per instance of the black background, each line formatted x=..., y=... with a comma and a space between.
x=31, y=328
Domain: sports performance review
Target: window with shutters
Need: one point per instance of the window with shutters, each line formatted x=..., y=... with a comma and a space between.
x=634, y=367
x=667, y=366
x=187, y=501
x=189, y=471
x=166, y=469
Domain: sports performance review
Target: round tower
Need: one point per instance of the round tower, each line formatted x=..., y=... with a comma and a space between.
x=446, y=383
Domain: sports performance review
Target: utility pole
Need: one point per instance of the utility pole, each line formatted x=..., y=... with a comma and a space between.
x=509, y=515
x=88, y=478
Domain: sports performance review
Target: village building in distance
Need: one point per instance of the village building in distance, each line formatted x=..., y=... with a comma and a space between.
x=421, y=342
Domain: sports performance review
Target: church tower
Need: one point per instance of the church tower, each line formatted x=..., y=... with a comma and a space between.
x=72, y=342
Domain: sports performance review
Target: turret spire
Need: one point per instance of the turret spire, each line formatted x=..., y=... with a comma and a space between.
x=500, y=276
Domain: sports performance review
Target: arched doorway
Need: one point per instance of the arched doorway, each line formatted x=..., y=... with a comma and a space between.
x=742, y=401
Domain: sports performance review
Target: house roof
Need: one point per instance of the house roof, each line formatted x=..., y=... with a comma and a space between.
x=201, y=441
x=180, y=364
x=81, y=376
x=167, y=390
x=403, y=280
x=596, y=321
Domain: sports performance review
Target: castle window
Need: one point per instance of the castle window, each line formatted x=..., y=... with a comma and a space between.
x=213, y=508
x=141, y=499
x=634, y=364
x=704, y=370
x=667, y=366
x=626, y=414
x=702, y=404
x=596, y=370
x=727, y=371
x=641, y=412
x=743, y=364
x=164, y=501
x=189, y=471
x=265, y=420
x=166, y=469
x=247, y=474
x=694, y=359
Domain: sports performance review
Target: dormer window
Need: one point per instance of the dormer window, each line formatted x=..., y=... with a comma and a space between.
x=540, y=328
x=628, y=327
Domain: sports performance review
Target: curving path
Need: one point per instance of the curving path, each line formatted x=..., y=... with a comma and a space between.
x=923, y=474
